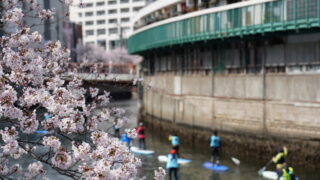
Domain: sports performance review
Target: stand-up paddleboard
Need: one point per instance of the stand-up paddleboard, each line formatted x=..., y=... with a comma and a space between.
x=272, y=175
x=215, y=167
x=141, y=151
x=42, y=131
x=163, y=158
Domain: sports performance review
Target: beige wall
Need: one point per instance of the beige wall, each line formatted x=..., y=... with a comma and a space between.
x=291, y=106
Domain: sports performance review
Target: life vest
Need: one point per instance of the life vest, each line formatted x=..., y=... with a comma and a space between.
x=125, y=139
x=215, y=141
x=172, y=161
x=288, y=174
x=279, y=159
x=140, y=131
x=174, y=140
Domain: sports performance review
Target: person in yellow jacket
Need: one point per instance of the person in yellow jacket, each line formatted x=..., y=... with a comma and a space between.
x=280, y=160
x=288, y=174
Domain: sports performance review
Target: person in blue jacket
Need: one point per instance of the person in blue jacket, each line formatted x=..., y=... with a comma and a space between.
x=126, y=140
x=215, y=146
x=172, y=164
x=175, y=142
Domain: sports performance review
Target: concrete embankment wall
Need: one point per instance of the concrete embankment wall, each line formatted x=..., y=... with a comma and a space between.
x=270, y=107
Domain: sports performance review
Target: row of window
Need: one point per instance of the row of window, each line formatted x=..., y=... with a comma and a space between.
x=111, y=11
x=102, y=3
x=111, y=21
x=274, y=54
x=103, y=31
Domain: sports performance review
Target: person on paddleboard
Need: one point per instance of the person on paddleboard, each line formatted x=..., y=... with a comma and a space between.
x=141, y=136
x=172, y=164
x=125, y=139
x=287, y=174
x=280, y=160
x=215, y=146
x=175, y=142
x=116, y=129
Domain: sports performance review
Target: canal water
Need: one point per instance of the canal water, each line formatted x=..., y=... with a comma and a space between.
x=247, y=170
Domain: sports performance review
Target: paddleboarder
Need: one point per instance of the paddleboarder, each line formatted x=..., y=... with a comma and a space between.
x=126, y=140
x=116, y=129
x=288, y=174
x=141, y=136
x=172, y=164
x=215, y=146
x=175, y=142
x=279, y=160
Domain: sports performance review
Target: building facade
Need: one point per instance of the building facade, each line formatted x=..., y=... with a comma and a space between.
x=249, y=67
x=105, y=22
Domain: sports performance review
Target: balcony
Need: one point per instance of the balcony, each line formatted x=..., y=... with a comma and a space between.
x=235, y=20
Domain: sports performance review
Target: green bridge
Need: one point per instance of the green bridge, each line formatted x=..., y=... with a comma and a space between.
x=236, y=20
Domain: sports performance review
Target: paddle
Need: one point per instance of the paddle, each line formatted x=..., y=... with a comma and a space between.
x=235, y=160
x=264, y=168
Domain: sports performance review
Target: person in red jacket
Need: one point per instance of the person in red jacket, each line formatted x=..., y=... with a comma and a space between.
x=141, y=136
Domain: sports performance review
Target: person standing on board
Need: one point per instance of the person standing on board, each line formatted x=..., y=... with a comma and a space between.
x=116, y=129
x=141, y=136
x=172, y=164
x=175, y=142
x=126, y=140
x=287, y=174
x=215, y=145
x=279, y=160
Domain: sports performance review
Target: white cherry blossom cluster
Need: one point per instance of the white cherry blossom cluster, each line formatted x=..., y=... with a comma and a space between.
x=132, y=133
x=159, y=174
x=52, y=142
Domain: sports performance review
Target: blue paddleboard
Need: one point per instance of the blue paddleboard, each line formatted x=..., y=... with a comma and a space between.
x=215, y=167
x=42, y=131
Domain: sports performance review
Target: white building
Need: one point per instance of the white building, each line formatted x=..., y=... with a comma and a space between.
x=105, y=22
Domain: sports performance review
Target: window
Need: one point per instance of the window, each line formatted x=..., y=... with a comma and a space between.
x=88, y=14
x=89, y=5
x=112, y=2
x=101, y=22
x=135, y=9
x=88, y=43
x=124, y=1
x=102, y=43
x=89, y=22
x=137, y=0
x=101, y=31
x=80, y=14
x=125, y=19
x=111, y=21
x=125, y=10
x=100, y=13
x=113, y=31
x=89, y=32
x=100, y=3
x=112, y=11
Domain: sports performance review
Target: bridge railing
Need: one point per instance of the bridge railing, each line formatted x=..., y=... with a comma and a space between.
x=239, y=19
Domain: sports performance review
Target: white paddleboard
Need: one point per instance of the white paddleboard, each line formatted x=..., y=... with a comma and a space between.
x=141, y=151
x=270, y=175
x=163, y=158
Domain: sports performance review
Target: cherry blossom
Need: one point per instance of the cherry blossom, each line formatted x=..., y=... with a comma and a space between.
x=52, y=142
x=33, y=82
x=159, y=174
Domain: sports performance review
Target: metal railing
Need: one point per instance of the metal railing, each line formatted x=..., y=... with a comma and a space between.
x=279, y=15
